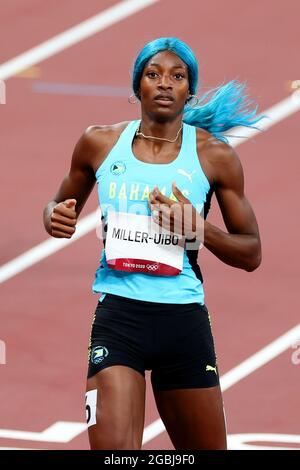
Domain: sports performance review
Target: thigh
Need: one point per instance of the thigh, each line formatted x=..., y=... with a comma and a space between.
x=186, y=357
x=115, y=399
x=115, y=405
x=117, y=336
x=185, y=380
x=194, y=418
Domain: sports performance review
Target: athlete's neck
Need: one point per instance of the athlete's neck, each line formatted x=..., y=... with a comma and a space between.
x=166, y=130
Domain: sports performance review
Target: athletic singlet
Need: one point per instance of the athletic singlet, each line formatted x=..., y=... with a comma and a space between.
x=124, y=184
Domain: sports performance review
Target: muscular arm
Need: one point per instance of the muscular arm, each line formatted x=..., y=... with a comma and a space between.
x=77, y=185
x=241, y=246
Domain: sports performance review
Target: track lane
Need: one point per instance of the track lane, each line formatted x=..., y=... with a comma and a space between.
x=262, y=317
x=36, y=21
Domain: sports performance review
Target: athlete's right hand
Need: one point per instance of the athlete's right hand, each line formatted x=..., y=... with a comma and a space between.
x=63, y=219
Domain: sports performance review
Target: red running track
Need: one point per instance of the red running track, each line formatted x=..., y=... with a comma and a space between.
x=46, y=310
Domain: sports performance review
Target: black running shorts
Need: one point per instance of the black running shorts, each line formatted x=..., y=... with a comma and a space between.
x=174, y=341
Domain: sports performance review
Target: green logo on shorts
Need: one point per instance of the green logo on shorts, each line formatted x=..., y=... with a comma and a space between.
x=98, y=354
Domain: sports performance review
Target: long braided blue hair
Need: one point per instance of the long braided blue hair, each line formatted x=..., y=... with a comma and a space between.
x=219, y=109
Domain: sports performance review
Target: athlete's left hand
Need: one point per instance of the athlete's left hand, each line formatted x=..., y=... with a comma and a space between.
x=179, y=216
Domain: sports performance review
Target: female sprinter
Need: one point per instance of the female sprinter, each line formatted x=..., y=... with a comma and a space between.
x=156, y=176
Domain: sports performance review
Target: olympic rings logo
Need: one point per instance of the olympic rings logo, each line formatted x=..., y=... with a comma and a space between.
x=152, y=267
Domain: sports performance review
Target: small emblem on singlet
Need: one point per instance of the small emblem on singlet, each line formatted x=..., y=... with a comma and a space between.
x=185, y=173
x=118, y=168
x=98, y=354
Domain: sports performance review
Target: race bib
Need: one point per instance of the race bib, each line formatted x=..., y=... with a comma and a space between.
x=135, y=243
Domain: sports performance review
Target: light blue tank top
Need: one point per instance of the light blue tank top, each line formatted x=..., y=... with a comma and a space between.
x=124, y=183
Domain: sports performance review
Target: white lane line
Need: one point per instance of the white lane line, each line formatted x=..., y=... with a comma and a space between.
x=61, y=431
x=48, y=247
x=244, y=441
x=260, y=358
x=276, y=113
x=239, y=372
x=73, y=35
x=153, y=430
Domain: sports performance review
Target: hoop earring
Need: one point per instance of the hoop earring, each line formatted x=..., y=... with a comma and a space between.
x=193, y=101
x=132, y=99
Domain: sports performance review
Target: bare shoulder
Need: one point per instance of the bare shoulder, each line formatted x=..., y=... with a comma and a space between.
x=102, y=134
x=96, y=142
x=222, y=159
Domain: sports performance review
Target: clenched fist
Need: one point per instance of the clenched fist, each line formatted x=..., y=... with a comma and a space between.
x=63, y=219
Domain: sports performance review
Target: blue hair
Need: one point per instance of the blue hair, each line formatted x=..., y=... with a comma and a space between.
x=219, y=109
